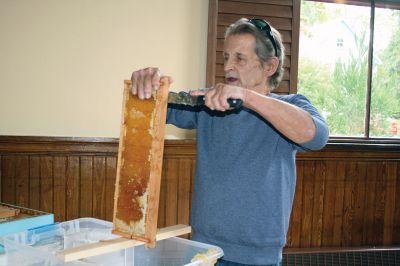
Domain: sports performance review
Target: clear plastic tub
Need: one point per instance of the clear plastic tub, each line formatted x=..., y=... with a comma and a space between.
x=39, y=247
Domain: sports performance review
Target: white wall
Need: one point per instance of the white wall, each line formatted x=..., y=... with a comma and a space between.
x=63, y=62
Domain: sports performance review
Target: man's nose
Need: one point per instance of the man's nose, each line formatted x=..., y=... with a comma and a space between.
x=228, y=65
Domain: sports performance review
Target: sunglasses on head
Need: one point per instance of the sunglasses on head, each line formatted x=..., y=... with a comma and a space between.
x=264, y=27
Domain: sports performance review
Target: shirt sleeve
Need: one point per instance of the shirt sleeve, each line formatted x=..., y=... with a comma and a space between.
x=182, y=116
x=322, y=131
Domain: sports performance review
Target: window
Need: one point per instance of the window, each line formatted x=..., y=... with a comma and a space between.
x=339, y=42
x=356, y=90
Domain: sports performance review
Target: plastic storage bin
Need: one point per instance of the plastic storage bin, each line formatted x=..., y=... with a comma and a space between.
x=39, y=247
x=26, y=219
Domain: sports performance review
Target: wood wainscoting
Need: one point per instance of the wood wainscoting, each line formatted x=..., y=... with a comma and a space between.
x=345, y=195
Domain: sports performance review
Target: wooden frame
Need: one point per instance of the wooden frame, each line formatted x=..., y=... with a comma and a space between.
x=8, y=212
x=140, y=154
x=107, y=246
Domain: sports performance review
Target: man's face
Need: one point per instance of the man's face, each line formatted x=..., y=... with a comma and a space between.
x=242, y=66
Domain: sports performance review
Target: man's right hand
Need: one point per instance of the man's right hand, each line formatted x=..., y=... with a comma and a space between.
x=145, y=81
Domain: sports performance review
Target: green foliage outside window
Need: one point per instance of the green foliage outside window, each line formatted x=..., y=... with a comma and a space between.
x=339, y=90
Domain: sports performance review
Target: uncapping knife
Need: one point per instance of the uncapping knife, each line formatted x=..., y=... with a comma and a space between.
x=186, y=99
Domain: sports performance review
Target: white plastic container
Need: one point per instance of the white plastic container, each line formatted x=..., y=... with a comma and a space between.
x=39, y=247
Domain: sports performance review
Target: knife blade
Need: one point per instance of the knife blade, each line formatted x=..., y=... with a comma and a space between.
x=185, y=98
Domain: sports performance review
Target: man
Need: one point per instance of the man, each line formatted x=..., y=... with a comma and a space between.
x=245, y=174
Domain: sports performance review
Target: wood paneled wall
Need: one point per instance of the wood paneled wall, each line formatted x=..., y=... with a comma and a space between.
x=74, y=177
x=284, y=15
x=345, y=196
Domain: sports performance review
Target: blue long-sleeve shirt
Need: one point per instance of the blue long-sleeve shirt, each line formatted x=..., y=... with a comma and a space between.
x=245, y=179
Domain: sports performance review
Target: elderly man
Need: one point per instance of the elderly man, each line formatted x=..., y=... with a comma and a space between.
x=246, y=172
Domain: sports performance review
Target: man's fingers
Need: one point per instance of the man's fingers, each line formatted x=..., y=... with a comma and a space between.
x=145, y=81
x=221, y=102
x=133, y=85
x=198, y=92
x=140, y=83
x=211, y=99
x=148, y=86
x=217, y=98
x=155, y=79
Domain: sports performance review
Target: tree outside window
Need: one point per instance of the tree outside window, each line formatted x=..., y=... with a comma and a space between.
x=334, y=69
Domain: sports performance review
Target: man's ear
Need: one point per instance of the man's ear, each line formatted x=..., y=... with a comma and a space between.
x=271, y=66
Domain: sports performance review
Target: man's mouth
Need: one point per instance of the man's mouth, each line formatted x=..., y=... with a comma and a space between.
x=231, y=79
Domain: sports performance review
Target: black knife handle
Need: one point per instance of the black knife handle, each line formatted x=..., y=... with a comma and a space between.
x=233, y=103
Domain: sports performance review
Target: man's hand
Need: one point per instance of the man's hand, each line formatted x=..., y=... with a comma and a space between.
x=145, y=81
x=216, y=98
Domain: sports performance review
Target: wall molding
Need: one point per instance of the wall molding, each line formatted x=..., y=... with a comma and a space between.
x=182, y=148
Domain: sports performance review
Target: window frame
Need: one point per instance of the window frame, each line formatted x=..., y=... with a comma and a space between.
x=366, y=139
